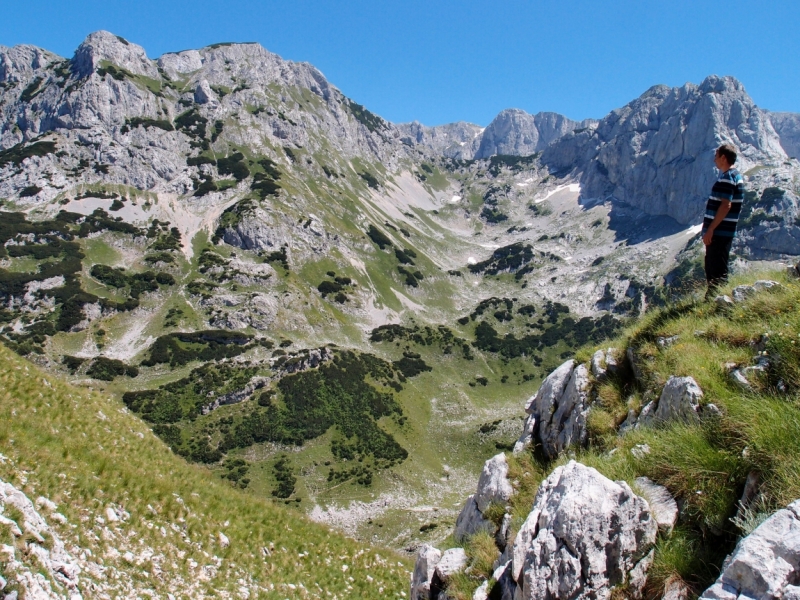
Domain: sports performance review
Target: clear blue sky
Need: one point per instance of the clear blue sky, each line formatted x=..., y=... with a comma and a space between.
x=439, y=61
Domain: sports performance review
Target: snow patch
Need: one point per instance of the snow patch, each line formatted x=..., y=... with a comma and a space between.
x=571, y=187
x=455, y=199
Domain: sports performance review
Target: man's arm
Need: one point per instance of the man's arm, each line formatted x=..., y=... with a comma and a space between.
x=722, y=212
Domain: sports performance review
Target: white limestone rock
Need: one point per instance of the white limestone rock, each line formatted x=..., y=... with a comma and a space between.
x=662, y=505
x=427, y=559
x=585, y=535
x=654, y=154
x=493, y=484
x=604, y=363
x=470, y=521
x=102, y=47
x=675, y=589
x=525, y=440
x=742, y=292
x=567, y=427
x=666, y=342
x=550, y=391
x=724, y=301
x=766, y=563
x=453, y=561
x=45, y=562
x=560, y=407
x=680, y=399
x=482, y=592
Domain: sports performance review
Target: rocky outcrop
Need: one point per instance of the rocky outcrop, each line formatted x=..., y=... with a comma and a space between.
x=766, y=563
x=787, y=126
x=518, y=133
x=454, y=140
x=679, y=400
x=558, y=410
x=493, y=488
x=585, y=535
x=38, y=562
x=655, y=153
x=604, y=363
x=433, y=570
x=743, y=292
x=424, y=568
x=512, y=132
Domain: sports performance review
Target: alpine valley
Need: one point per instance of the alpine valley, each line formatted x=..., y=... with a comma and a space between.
x=328, y=310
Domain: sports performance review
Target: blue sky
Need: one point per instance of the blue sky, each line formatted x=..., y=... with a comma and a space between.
x=443, y=61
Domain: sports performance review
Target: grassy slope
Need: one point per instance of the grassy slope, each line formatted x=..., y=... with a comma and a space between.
x=85, y=452
x=704, y=465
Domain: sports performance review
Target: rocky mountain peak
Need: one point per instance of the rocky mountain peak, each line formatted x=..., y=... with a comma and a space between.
x=21, y=62
x=655, y=152
x=514, y=131
x=102, y=47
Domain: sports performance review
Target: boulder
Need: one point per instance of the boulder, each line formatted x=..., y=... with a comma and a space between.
x=766, y=563
x=493, y=485
x=604, y=363
x=675, y=589
x=742, y=292
x=680, y=400
x=765, y=284
x=427, y=559
x=525, y=440
x=470, y=521
x=453, y=561
x=662, y=505
x=568, y=425
x=724, y=301
x=559, y=408
x=666, y=342
x=585, y=535
x=550, y=391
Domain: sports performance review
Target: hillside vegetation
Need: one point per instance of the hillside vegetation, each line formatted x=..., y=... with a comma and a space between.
x=753, y=439
x=178, y=530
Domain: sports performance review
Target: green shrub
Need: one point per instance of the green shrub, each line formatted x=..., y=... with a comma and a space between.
x=107, y=369
x=16, y=154
x=380, y=238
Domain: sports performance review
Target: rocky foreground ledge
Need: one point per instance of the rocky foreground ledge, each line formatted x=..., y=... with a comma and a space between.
x=587, y=536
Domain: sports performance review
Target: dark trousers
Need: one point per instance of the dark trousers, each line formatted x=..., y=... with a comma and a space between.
x=717, y=254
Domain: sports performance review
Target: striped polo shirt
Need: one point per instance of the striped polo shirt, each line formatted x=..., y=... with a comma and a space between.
x=729, y=186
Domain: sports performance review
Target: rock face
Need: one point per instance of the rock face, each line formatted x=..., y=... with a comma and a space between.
x=585, y=535
x=559, y=409
x=655, y=153
x=787, y=126
x=518, y=133
x=766, y=563
x=513, y=132
x=109, y=104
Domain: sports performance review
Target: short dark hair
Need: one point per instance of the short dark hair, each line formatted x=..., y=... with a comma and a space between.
x=729, y=152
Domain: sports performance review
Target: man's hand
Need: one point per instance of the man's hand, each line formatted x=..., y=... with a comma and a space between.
x=722, y=212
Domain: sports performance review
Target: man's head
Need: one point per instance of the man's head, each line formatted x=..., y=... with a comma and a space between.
x=725, y=157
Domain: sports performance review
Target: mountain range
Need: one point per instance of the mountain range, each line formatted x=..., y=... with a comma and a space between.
x=216, y=234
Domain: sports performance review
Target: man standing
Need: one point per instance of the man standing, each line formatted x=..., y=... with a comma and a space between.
x=722, y=214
